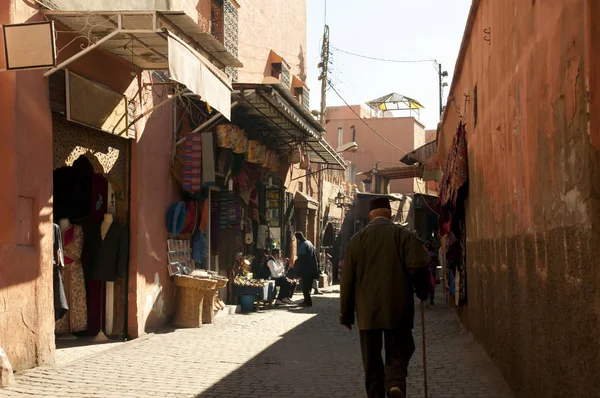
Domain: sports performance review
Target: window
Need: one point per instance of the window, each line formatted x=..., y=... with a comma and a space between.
x=276, y=70
x=353, y=133
x=300, y=186
x=340, y=137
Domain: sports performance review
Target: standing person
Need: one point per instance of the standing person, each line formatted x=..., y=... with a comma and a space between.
x=286, y=285
x=433, y=263
x=384, y=263
x=307, y=266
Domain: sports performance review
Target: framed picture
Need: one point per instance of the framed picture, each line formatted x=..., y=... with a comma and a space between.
x=174, y=269
x=179, y=245
x=171, y=245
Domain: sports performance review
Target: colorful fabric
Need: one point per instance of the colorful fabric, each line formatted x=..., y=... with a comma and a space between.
x=75, y=319
x=192, y=163
x=176, y=218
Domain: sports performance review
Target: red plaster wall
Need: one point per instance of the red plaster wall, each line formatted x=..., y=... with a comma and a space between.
x=26, y=313
x=266, y=25
x=430, y=136
x=153, y=190
x=532, y=210
x=401, y=131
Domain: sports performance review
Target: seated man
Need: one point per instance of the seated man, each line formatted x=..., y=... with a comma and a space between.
x=286, y=286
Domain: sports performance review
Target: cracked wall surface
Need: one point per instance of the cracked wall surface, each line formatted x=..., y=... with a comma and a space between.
x=533, y=207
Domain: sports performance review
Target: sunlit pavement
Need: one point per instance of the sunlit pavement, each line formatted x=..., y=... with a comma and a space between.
x=284, y=352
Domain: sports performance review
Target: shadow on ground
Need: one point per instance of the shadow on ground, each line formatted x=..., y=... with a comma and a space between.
x=320, y=358
x=308, y=361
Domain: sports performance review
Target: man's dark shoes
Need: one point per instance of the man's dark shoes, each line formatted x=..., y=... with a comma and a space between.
x=395, y=392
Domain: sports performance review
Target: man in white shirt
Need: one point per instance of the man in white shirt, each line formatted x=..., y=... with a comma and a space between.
x=286, y=286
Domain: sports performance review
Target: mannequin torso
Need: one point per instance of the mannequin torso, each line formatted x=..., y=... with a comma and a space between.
x=108, y=219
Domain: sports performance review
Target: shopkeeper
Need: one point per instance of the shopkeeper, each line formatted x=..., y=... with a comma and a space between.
x=286, y=286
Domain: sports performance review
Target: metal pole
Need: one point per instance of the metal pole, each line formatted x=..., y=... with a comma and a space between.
x=424, y=348
x=325, y=63
x=440, y=87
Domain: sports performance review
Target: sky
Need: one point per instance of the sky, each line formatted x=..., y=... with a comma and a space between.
x=393, y=29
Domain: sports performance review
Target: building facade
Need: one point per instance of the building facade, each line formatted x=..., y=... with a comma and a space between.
x=344, y=126
x=136, y=169
x=526, y=85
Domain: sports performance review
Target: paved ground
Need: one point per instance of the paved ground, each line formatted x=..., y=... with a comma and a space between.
x=275, y=353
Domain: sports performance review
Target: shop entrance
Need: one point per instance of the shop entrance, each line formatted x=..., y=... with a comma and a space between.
x=90, y=210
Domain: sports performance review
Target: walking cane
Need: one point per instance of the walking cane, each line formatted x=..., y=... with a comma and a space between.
x=424, y=350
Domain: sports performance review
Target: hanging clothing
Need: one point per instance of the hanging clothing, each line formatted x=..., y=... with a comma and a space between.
x=100, y=199
x=76, y=318
x=106, y=259
x=61, y=305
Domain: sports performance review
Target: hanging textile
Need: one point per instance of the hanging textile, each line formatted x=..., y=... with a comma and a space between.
x=215, y=221
x=192, y=163
x=455, y=176
x=60, y=299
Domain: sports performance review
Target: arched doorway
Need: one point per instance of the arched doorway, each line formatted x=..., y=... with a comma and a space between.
x=90, y=180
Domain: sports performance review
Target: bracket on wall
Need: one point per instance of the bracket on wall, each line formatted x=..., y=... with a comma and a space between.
x=488, y=35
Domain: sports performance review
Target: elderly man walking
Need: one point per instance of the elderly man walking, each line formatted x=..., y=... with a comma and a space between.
x=384, y=265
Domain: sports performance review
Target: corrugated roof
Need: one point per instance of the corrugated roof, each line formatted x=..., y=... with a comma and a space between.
x=272, y=109
x=421, y=154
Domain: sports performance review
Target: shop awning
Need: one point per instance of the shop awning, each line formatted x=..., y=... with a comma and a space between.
x=397, y=172
x=421, y=154
x=146, y=40
x=140, y=36
x=191, y=69
x=272, y=109
x=304, y=201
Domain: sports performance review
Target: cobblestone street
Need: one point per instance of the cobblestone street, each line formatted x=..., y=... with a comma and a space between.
x=274, y=353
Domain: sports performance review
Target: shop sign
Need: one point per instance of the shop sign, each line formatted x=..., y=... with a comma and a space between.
x=96, y=106
x=29, y=45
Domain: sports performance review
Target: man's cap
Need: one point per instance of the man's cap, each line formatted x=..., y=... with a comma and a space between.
x=380, y=203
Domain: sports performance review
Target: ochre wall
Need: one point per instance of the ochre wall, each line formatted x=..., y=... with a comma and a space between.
x=533, y=209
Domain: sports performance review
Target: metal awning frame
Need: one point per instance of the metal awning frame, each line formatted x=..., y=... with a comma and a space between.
x=288, y=127
x=95, y=35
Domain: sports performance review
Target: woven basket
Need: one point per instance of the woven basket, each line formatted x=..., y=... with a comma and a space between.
x=189, y=300
x=208, y=304
x=197, y=283
x=221, y=283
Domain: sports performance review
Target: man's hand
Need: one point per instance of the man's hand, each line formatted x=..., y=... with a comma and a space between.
x=349, y=327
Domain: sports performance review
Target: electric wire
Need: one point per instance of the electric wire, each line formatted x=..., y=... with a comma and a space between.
x=408, y=61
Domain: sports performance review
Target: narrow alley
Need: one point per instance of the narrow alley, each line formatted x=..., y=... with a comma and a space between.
x=275, y=353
